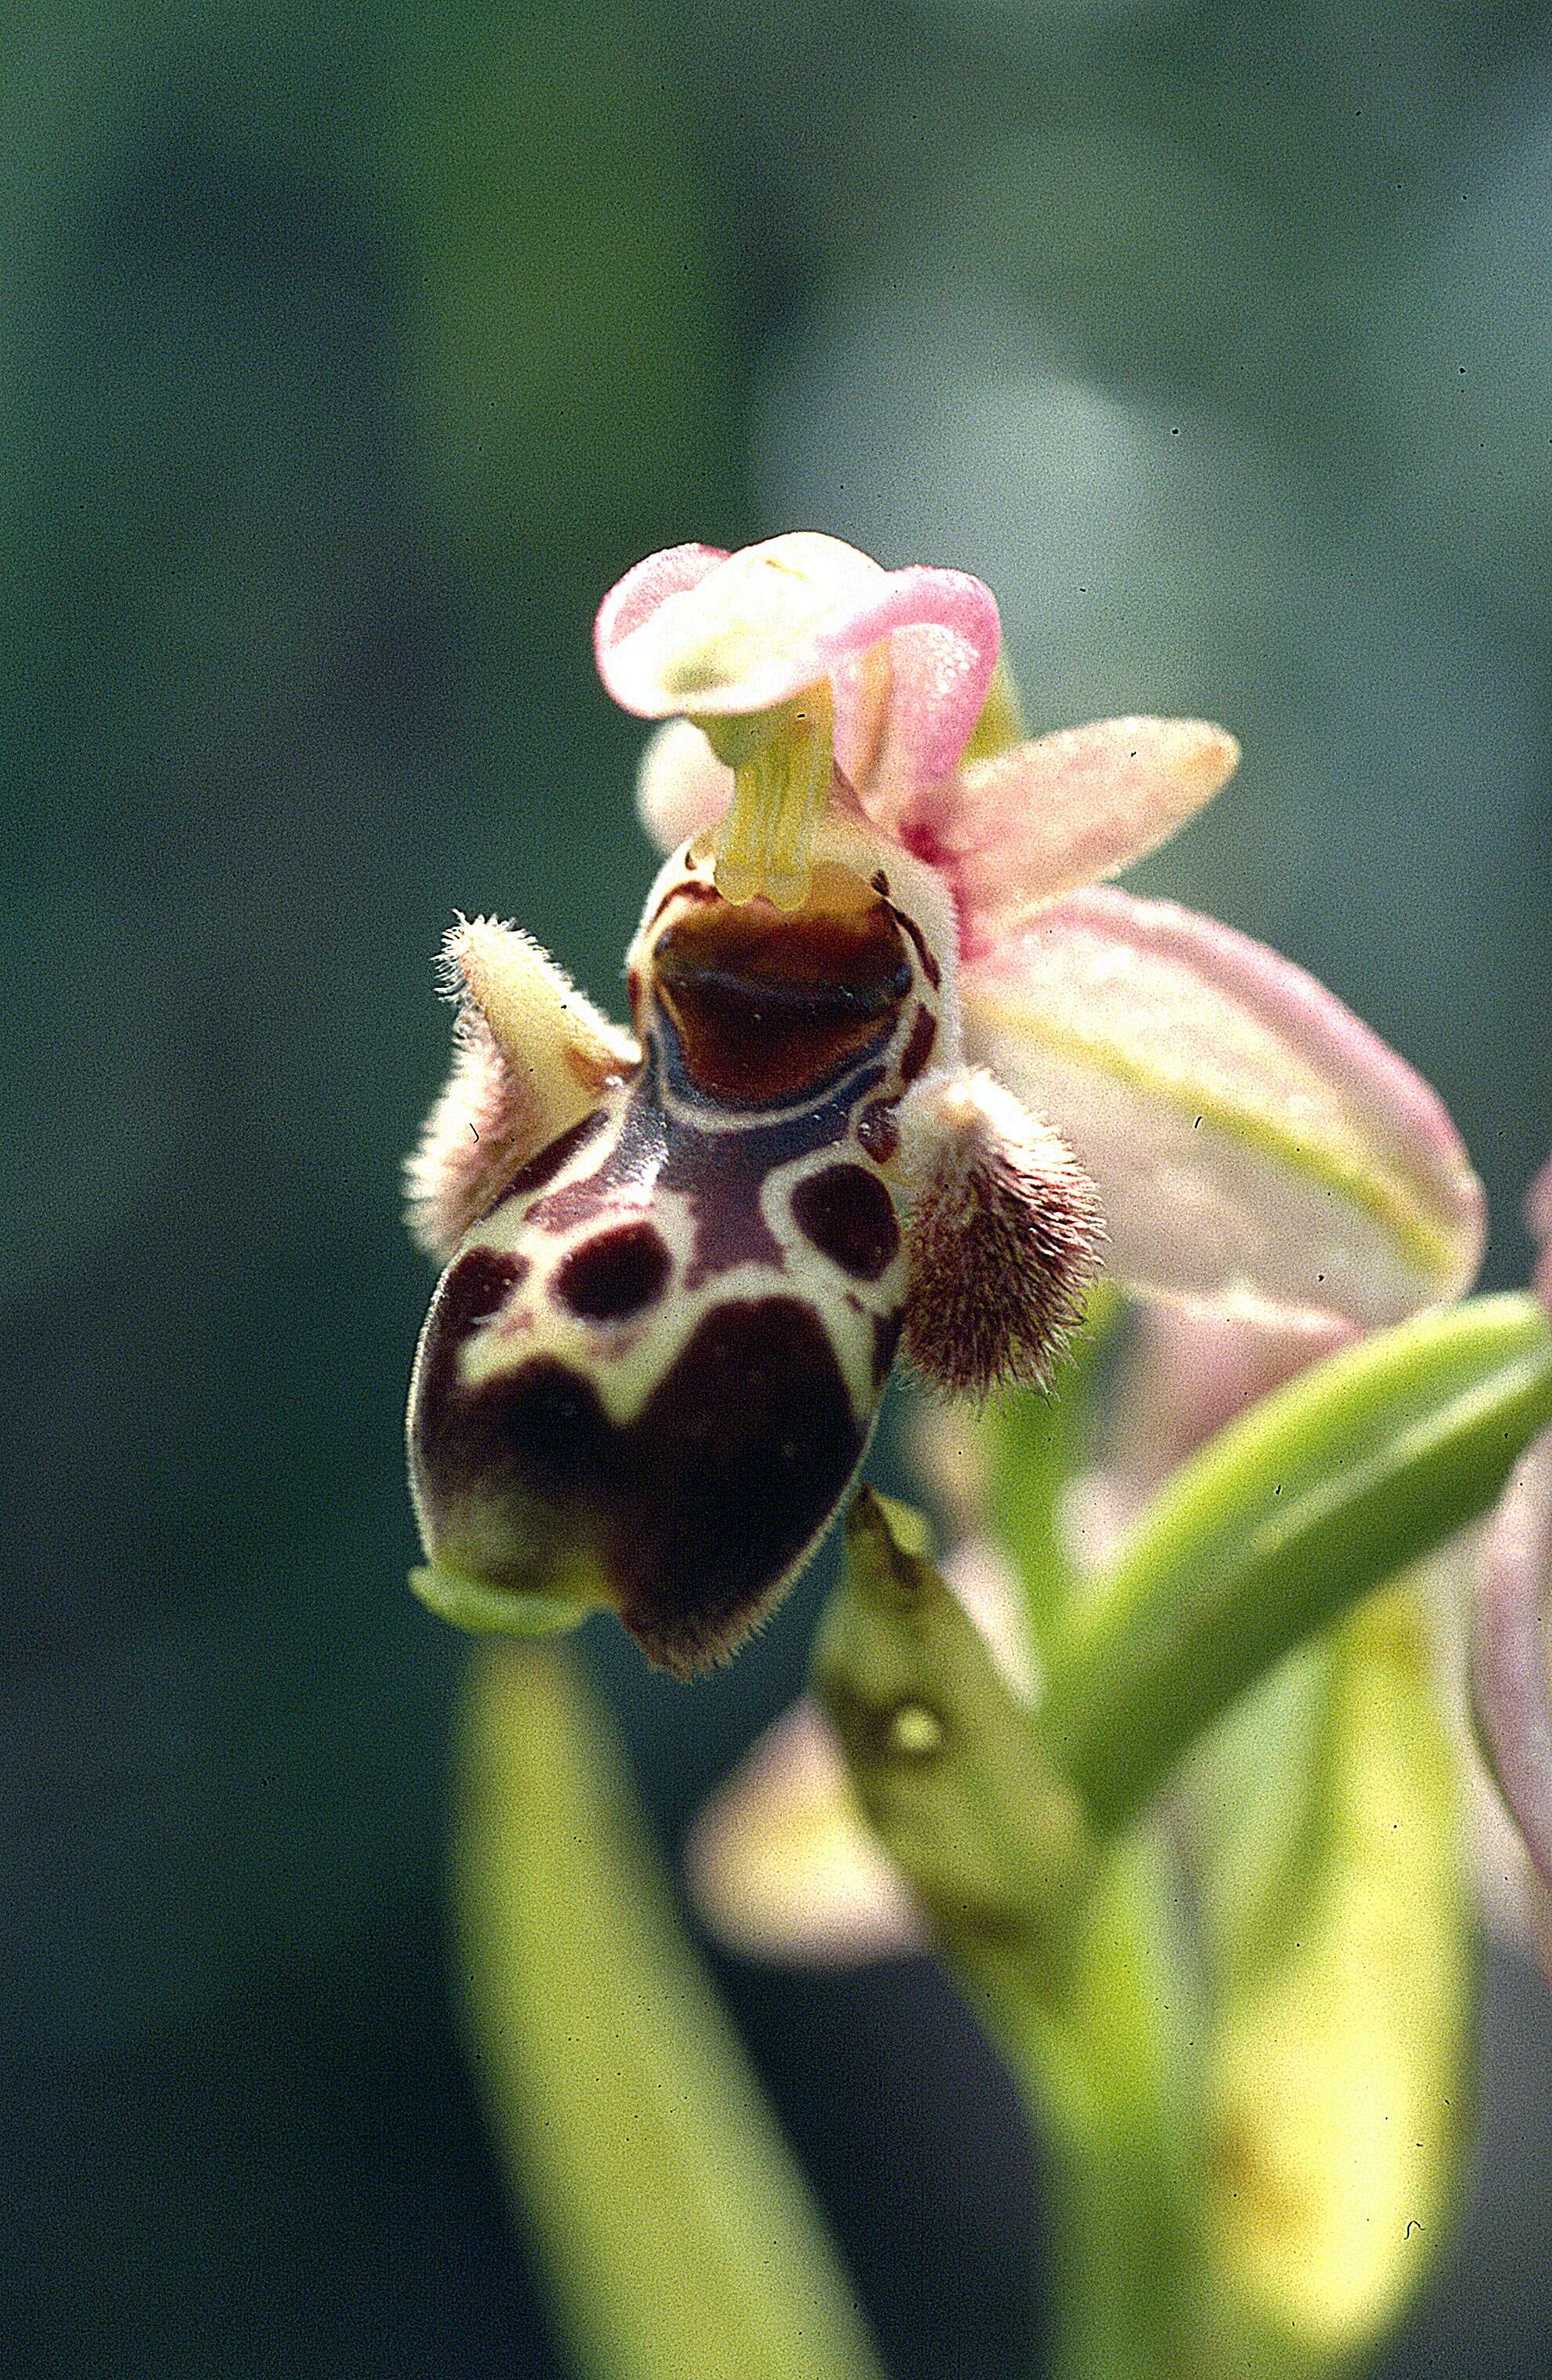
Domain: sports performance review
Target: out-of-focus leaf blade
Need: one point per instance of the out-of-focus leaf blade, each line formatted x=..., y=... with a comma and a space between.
x=1036, y=1441
x=1335, y=2082
x=676, y=2230
x=1287, y=1518
x=567, y=328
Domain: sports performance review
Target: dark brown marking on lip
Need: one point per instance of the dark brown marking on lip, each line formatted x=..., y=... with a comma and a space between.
x=878, y=1130
x=475, y=1286
x=879, y=882
x=918, y=1049
x=631, y=1167
x=548, y=1161
x=929, y=966
x=691, y=889
x=886, y=1338
x=849, y=1216
x=614, y=1274
x=766, y=1006
x=696, y=1512
x=472, y=1290
x=722, y=1176
x=719, y=1174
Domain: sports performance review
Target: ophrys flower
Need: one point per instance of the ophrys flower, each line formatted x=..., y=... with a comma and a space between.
x=881, y=1043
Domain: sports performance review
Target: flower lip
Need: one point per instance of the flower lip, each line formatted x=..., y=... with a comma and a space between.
x=764, y=1003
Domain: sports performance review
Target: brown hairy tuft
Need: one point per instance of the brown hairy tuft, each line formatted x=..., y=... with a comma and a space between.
x=1003, y=1237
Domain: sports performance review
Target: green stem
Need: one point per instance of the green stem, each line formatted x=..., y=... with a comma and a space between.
x=1039, y=1441
x=1105, y=2076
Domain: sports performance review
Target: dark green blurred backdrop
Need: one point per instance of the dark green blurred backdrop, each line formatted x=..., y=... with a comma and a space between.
x=346, y=353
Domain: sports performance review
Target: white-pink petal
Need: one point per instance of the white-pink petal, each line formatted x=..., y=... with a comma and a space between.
x=1049, y=816
x=681, y=787
x=1511, y=1656
x=634, y=599
x=694, y=632
x=908, y=654
x=1257, y=1149
x=943, y=637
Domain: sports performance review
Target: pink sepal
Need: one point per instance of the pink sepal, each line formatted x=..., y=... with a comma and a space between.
x=944, y=636
x=1049, y=815
x=1256, y=1147
x=1538, y=1223
x=1188, y=1375
x=1511, y=1682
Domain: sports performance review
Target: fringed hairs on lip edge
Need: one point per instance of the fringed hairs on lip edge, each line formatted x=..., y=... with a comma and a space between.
x=682, y=1263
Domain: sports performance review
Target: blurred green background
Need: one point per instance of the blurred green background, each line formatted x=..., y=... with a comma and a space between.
x=346, y=355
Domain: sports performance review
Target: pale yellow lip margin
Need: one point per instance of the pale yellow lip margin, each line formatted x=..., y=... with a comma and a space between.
x=1422, y=1241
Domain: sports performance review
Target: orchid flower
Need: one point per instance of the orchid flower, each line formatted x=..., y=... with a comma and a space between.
x=899, y=1070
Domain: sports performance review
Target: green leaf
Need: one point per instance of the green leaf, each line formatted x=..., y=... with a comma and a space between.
x=1321, y=1493
x=676, y=2230
x=1336, y=2078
